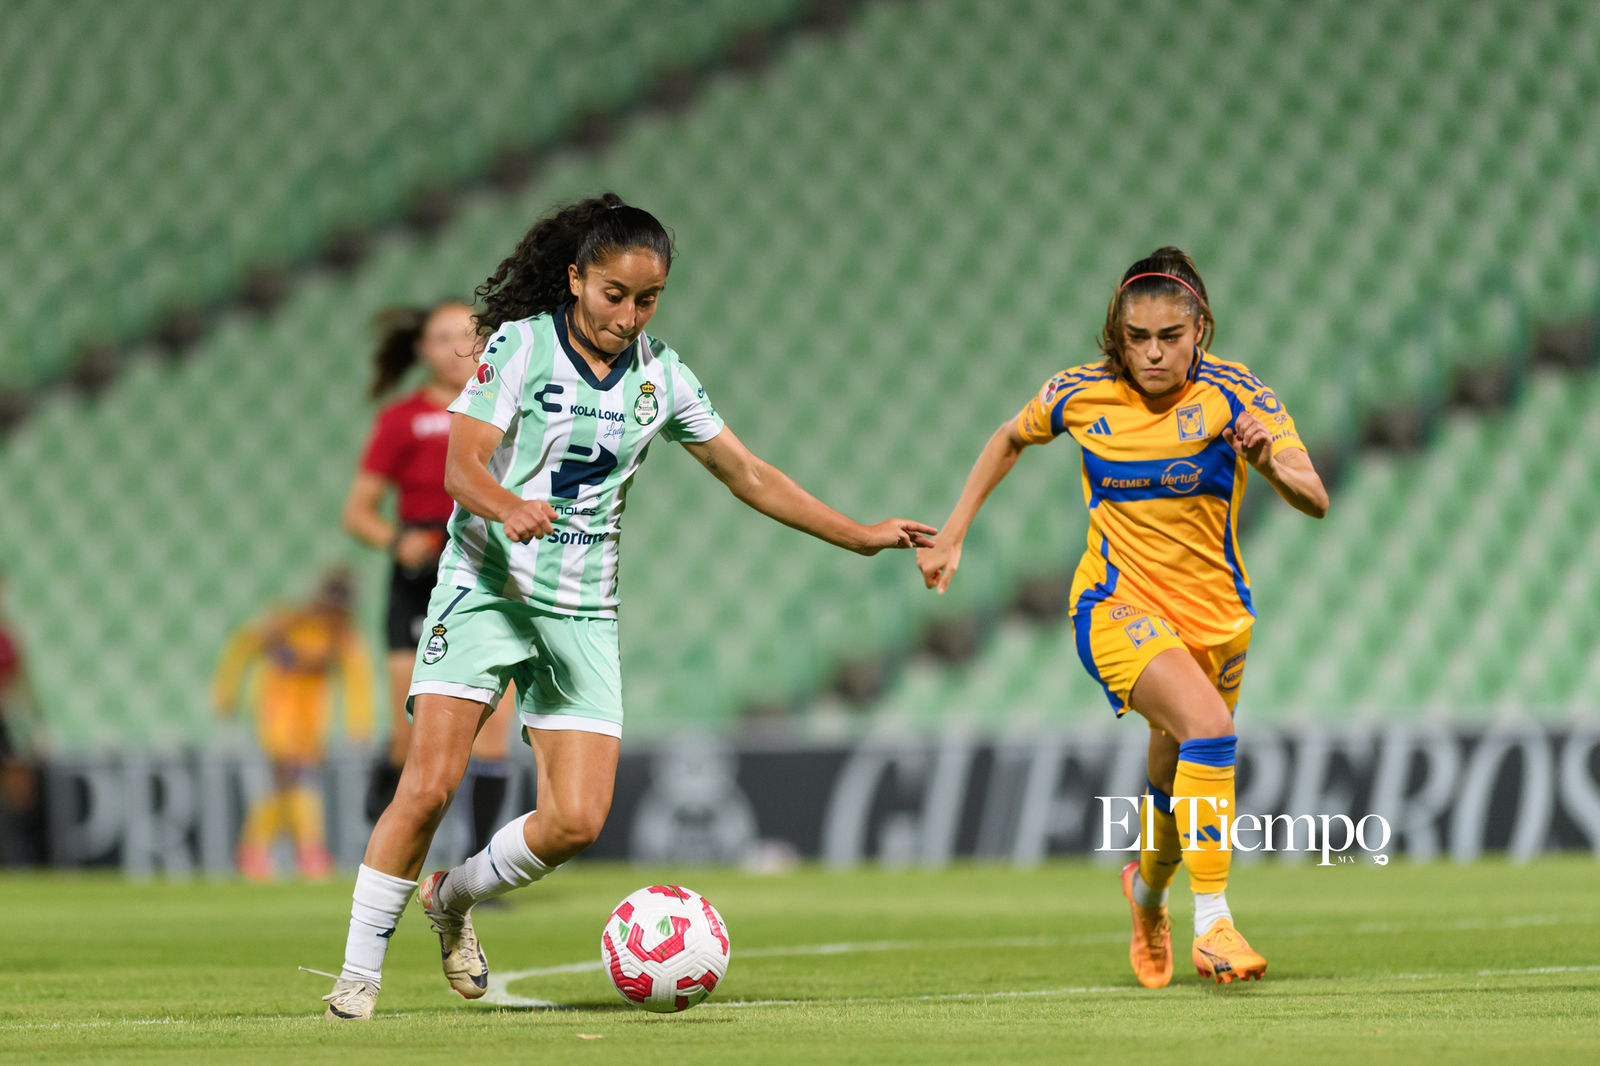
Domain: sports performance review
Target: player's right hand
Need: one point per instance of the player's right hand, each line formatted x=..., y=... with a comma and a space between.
x=938, y=564
x=895, y=533
x=530, y=521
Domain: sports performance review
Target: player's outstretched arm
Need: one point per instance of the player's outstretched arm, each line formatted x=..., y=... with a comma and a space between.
x=761, y=485
x=468, y=481
x=1289, y=471
x=938, y=563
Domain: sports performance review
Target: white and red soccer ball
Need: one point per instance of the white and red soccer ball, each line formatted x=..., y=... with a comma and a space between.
x=664, y=948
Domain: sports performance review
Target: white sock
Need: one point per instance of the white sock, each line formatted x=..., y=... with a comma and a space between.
x=1208, y=908
x=375, y=910
x=1145, y=896
x=506, y=863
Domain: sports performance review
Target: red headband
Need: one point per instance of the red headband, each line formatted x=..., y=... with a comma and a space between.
x=1158, y=274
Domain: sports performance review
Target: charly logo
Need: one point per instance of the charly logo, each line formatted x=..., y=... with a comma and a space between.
x=434, y=650
x=646, y=407
x=1182, y=477
x=1192, y=422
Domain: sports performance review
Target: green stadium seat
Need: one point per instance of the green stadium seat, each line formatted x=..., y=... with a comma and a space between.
x=889, y=240
x=155, y=175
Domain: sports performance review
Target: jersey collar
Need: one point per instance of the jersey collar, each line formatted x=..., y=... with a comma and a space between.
x=619, y=365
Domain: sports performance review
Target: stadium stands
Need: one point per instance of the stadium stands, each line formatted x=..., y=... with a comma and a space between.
x=208, y=137
x=888, y=241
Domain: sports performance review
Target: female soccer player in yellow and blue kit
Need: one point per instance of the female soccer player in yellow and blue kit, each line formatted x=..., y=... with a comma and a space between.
x=298, y=649
x=1161, y=607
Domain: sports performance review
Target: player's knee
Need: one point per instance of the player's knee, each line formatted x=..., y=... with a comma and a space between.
x=425, y=800
x=576, y=830
x=1210, y=719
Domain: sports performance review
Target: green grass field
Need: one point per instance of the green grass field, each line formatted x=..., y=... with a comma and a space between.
x=1401, y=963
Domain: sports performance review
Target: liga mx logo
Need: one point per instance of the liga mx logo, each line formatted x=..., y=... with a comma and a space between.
x=485, y=373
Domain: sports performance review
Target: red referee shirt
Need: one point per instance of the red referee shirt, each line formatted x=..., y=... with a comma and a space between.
x=407, y=447
x=10, y=661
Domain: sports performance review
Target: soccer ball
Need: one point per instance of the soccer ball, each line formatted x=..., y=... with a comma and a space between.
x=664, y=948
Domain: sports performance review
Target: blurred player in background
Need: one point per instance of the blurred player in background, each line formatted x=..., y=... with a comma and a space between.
x=405, y=454
x=570, y=393
x=1161, y=601
x=298, y=651
x=21, y=741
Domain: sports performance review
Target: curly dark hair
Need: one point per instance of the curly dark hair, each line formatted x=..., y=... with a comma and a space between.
x=1155, y=275
x=533, y=279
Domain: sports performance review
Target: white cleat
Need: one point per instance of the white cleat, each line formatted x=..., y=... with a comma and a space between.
x=464, y=964
x=351, y=1001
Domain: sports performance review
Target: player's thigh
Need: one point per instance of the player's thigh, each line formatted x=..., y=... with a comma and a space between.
x=1174, y=694
x=577, y=774
x=442, y=731
x=1223, y=666
x=1116, y=642
x=495, y=736
x=569, y=697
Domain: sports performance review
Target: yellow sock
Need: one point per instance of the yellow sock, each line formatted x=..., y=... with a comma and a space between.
x=263, y=821
x=1202, y=790
x=1159, y=857
x=305, y=816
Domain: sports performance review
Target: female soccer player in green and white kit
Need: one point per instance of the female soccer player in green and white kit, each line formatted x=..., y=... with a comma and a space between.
x=545, y=440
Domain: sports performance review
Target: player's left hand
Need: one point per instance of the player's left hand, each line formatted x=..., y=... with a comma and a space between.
x=895, y=533
x=1250, y=438
x=416, y=548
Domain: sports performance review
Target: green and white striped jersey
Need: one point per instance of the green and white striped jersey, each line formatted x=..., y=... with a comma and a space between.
x=576, y=441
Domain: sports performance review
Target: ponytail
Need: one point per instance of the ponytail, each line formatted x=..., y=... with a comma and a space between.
x=533, y=279
x=399, y=329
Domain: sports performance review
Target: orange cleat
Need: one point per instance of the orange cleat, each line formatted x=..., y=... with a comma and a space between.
x=1223, y=955
x=255, y=862
x=315, y=862
x=1150, y=951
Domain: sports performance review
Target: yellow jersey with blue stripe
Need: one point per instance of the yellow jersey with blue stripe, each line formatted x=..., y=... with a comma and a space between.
x=1163, y=489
